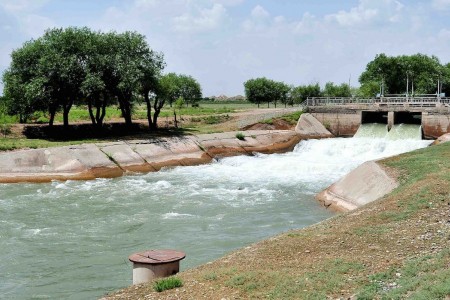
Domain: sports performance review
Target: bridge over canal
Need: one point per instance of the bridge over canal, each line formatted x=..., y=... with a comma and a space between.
x=343, y=116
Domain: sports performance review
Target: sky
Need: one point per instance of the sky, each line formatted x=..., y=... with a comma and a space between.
x=223, y=43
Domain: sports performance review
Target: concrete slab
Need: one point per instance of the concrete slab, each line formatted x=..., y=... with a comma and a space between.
x=442, y=139
x=95, y=161
x=308, y=127
x=363, y=185
x=124, y=156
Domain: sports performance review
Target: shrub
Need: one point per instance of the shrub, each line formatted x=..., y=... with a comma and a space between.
x=240, y=136
x=167, y=284
x=5, y=129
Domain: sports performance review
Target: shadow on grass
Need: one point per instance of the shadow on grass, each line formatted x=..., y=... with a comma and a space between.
x=79, y=132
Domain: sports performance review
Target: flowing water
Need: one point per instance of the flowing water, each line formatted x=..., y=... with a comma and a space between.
x=372, y=130
x=71, y=239
x=405, y=131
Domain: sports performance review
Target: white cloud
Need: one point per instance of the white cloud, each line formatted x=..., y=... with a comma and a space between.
x=16, y=6
x=368, y=12
x=306, y=25
x=441, y=5
x=229, y=2
x=259, y=19
x=206, y=20
x=258, y=12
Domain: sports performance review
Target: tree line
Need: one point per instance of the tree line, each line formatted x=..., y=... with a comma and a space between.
x=412, y=74
x=263, y=90
x=416, y=74
x=78, y=66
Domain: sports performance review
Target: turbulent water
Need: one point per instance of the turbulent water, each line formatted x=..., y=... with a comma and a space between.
x=71, y=239
x=372, y=130
x=397, y=132
x=402, y=131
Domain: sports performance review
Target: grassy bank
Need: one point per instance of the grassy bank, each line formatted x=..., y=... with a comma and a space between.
x=395, y=248
x=208, y=118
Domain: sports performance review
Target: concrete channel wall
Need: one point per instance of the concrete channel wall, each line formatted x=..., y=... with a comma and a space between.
x=107, y=160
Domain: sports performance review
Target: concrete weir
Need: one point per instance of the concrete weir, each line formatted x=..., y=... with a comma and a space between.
x=342, y=121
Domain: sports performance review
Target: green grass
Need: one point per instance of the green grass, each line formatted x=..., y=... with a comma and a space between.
x=167, y=284
x=427, y=277
x=291, y=118
x=7, y=144
x=416, y=165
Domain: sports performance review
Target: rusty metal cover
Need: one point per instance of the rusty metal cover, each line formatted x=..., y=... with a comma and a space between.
x=157, y=256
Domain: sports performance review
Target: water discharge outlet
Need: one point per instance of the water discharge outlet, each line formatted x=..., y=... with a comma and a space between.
x=152, y=264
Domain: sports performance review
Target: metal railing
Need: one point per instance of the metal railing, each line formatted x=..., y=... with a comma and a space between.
x=381, y=101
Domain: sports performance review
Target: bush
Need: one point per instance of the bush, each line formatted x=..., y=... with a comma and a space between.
x=240, y=136
x=167, y=284
x=5, y=129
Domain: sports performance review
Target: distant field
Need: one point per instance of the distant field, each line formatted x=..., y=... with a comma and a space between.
x=81, y=114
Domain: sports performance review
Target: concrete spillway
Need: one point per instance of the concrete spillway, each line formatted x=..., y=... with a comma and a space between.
x=345, y=121
x=397, y=132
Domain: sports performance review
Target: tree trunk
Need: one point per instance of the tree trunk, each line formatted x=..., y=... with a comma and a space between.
x=126, y=111
x=52, y=112
x=268, y=104
x=102, y=115
x=149, y=109
x=175, y=119
x=66, y=109
x=91, y=114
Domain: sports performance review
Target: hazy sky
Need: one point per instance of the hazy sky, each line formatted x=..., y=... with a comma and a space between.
x=222, y=43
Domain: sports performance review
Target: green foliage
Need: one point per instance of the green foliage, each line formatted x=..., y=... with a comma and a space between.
x=420, y=71
x=174, y=86
x=167, y=284
x=293, y=117
x=332, y=90
x=266, y=90
x=5, y=129
x=210, y=276
x=240, y=136
x=301, y=93
x=179, y=102
x=216, y=119
x=71, y=66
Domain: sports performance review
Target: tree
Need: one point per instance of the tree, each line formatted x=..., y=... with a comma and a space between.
x=77, y=66
x=301, y=93
x=189, y=89
x=332, y=90
x=258, y=90
x=281, y=92
x=167, y=90
x=24, y=83
x=416, y=73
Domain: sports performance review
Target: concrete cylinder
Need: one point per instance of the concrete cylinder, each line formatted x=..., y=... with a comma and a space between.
x=152, y=264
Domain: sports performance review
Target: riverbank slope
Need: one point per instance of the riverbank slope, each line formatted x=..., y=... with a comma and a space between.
x=114, y=159
x=395, y=247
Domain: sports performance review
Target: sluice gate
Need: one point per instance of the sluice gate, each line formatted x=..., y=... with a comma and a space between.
x=343, y=117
